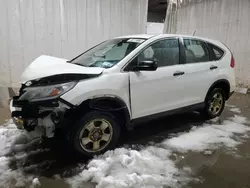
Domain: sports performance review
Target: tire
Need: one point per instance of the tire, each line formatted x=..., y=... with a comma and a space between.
x=214, y=107
x=90, y=134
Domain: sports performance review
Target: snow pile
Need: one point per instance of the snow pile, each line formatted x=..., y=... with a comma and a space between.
x=12, y=140
x=209, y=136
x=35, y=183
x=230, y=106
x=152, y=166
x=241, y=90
x=235, y=110
x=8, y=134
x=9, y=177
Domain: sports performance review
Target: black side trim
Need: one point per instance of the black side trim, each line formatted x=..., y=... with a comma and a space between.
x=182, y=51
x=95, y=102
x=167, y=113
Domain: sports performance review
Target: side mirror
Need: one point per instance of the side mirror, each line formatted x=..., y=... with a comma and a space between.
x=146, y=66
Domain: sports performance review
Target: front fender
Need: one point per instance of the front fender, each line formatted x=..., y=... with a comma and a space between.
x=115, y=85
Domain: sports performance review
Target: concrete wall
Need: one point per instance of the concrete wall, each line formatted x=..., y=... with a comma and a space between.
x=225, y=20
x=62, y=28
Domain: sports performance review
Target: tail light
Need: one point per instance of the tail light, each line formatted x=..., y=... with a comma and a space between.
x=232, y=64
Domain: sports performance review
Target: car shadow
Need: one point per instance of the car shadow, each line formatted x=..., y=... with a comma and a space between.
x=55, y=158
x=158, y=130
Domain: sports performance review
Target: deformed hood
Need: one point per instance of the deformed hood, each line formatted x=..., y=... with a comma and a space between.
x=45, y=66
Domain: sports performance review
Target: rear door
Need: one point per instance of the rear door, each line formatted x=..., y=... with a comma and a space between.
x=200, y=70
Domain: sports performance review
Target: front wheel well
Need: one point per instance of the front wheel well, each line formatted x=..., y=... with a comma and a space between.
x=224, y=85
x=113, y=105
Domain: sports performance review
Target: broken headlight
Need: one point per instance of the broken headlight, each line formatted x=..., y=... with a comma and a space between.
x=46, y=92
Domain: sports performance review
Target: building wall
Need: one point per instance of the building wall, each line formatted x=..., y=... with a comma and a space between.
x=62, y=28
x=225, y=20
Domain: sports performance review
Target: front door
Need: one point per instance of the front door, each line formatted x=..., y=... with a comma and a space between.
x=157, y=91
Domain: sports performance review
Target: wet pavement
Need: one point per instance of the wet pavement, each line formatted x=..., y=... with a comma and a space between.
x=4, y=115
x=225, y=169
x=218, y=168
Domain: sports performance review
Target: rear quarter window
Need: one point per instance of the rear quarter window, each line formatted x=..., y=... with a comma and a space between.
x=217, y=52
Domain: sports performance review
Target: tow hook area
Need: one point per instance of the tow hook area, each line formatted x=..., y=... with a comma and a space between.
x=19, y=122
x=47, y=119
x=48, y=123
x=49, y=126
x=30, y=124
x=27, y=124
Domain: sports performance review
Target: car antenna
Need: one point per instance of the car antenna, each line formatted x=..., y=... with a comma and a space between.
x=194, y=32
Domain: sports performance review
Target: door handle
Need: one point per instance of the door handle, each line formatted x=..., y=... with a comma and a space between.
x=178, y=73
x=213, y=67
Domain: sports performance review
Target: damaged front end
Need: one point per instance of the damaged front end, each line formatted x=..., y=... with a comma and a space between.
x=39, y=102
x=39, y=105
x=47, y=114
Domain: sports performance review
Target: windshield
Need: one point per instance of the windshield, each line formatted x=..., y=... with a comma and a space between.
x=108, y=53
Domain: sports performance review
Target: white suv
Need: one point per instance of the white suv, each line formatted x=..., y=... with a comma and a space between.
x=99, y=94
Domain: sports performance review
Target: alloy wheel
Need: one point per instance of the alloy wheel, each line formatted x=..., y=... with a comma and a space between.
x=216, y=103
x=96, y=135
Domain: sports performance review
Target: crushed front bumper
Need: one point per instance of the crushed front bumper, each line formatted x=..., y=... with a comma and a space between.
x=28, y=115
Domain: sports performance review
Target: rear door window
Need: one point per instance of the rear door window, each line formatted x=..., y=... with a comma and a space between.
x=196, y=51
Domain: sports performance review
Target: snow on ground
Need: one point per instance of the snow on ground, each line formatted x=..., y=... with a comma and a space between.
x=35, y=183
x=230, y=106
x=209, y=136
x=241, y=90
x=152, y=166
x=235, y=110
x=12, y=140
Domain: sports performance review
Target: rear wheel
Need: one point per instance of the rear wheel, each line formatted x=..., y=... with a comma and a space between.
x=215, y=103
x=96, y=133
